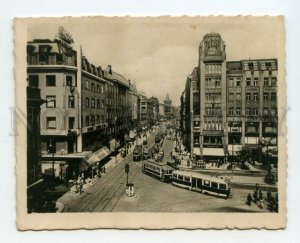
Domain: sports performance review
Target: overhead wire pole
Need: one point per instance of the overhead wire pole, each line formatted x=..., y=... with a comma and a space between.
x=191, y=118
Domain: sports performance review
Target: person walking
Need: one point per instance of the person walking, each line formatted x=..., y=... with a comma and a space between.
x=249, y=199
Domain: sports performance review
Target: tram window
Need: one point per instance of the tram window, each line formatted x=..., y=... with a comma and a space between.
x=214, y=184
x=180, y=177
x=199, y=182
x=174, y=176
x=206, y=183
x=186, y=178
x=222, y=186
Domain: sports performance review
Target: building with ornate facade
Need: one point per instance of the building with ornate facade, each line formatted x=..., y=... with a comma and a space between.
x=229, y=104
x=167, y=107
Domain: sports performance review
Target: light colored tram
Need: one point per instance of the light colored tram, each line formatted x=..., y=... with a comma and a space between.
x=158, y=170
x=201, y=183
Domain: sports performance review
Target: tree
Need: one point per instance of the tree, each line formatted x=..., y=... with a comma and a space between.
x=244, y=154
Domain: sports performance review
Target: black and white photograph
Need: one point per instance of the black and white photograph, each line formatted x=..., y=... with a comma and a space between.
x=173, y=118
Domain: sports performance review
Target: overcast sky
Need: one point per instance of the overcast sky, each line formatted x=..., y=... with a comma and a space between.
x=159, y=54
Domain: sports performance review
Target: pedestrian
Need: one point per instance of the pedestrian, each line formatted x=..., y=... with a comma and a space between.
x=255, y=197
x=257, y=187
x=249, y=199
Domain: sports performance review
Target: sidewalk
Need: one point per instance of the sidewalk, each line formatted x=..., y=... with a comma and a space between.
x=71, y=195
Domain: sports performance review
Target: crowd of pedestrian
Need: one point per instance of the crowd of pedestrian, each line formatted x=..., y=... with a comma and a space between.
x=259, y=199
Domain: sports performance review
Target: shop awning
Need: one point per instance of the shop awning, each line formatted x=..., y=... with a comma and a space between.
x=233, y=149
x=196, y=151
x=213, y=152
x=132, y=134
x=114, y=144
x=97, y=156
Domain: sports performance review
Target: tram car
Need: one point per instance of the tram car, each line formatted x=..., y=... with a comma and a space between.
x=158, y=170
x=201, y=183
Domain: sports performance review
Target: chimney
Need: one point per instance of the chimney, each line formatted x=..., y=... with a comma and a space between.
x=109, y=69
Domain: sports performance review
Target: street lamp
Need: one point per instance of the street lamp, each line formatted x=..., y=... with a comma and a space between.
x=52, y=150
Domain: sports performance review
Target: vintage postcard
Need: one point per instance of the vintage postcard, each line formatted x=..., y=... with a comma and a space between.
x=150, y=122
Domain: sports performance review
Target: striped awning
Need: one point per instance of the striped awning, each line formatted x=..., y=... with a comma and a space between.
x=97, y=156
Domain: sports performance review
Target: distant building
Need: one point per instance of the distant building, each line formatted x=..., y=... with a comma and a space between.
x=168, y=106
x=161, y=110
x=229, y=104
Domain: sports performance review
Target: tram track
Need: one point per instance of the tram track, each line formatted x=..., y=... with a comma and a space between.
x=107, y=192
x=118, y=193
x=82, y=205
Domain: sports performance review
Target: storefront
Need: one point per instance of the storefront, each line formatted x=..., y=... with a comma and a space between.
x=213, y=154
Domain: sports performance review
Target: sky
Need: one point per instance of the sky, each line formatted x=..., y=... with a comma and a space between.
x=158, y=54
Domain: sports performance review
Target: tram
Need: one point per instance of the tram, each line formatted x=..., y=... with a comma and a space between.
x=201, y=183
x=158, y=170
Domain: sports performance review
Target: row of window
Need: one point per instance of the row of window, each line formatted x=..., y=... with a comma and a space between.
x=51, y=101
x=213, y=125
x=92, y=120
x=33, y=81
x=51, y=122
x=236, y=82
x=213, y=69
x=213, y=82
x=89, y=121
x=268, y=96
x=215, y=96
x=100, y=103
x=50, y=59
x=252, y=112
x=95, y=88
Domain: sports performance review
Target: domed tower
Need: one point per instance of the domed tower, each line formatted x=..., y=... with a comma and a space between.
x=212, y=75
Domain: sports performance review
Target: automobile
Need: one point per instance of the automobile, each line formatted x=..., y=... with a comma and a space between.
x=137, y=153
x=146, y=153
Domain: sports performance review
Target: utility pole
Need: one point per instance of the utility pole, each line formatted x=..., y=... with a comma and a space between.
x=191, y=118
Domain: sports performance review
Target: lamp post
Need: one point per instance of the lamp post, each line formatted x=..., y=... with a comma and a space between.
x=52, y=150
x=191, y=117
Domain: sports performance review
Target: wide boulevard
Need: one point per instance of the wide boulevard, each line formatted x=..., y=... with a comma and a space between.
x=152, y=195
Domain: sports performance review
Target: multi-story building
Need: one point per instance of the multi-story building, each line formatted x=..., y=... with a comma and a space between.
x=234, y=104
x=134, y=103
x=143, y=109
x=86, y=107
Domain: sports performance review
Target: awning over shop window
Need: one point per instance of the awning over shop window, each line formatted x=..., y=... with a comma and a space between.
x=196, y=151
x=132, y=134
x=213, y=152
x=233, y=149
x=97, y=156
x=114, y=144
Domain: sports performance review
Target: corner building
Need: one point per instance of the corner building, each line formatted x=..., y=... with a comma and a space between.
x=86, y=108
x=229, y=105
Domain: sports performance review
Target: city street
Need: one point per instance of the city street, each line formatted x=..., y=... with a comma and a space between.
x=152, y=195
